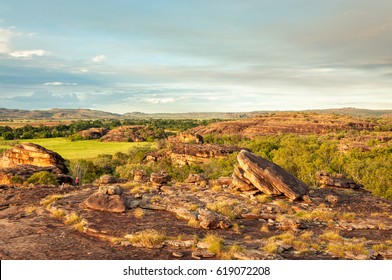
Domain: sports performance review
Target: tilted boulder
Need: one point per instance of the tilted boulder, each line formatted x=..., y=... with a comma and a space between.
x=266, y=176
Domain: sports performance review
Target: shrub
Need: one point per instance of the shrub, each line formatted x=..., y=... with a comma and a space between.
x=43, y=178
x=16, y=180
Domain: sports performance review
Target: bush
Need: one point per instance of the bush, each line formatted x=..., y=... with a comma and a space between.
x=43, y=178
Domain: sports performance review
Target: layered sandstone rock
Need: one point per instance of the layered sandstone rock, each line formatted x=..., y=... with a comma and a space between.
x=23, y=160
x=160, y=178
x=266, y=176
x=32, y=154
x=106, y=180
x=340, y=181
x=190, y=138
x=185, y=154
x=20, y=173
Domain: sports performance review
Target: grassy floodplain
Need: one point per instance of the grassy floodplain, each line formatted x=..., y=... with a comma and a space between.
x=86, y=149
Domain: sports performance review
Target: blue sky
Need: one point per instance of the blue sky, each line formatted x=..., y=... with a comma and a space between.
x=186, y=56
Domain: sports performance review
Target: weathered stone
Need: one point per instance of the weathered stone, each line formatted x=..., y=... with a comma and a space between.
x=160, y=178
x=202, y=254
x=93, y=133
x=333, y=199
x=270, y=178
x=111, y=190
x=186, y=154
x=178, y=254
x=131, y=133
x=105, y=202
x=140, y=176
x=106, y=180
x=239, y=180
x=190, y=138
x=25, y=171
x=212, y=220
x=340, y=181
x=32, y=154
x=195, y=178
x=181, y=243
x=252, y=255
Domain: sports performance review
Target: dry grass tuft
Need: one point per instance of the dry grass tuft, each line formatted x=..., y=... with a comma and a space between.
x=139, y=213
x=215, y=243
x=50, y=199
x=149, y=238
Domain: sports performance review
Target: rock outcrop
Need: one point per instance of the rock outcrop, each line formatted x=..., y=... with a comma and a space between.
x=106, y=180
x=131, y=133
x=20, y=173
x=190, y=138
x=327, y=180
x=108, y=199
x=23, y=160
x=266, y=176
x=93, y=133
x=159, y=178
x=32, y=154
x=185, y=154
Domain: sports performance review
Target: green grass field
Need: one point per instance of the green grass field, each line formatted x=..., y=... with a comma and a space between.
x=87, y=149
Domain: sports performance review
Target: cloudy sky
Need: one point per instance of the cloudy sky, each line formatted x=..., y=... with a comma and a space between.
x=185, y=56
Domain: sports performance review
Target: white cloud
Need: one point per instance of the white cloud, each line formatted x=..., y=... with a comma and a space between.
x=60, y=84
x=99, y=58
x=160, y=100
x=5, y=38
x=28, y=54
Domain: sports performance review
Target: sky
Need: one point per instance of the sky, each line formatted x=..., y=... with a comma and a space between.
x=195, y=56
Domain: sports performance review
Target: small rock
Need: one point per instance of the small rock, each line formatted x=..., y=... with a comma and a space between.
x=178, y=254
x=333, y=199
x=111, y=190
x=160, y=178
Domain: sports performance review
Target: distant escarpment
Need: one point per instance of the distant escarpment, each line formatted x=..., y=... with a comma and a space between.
x=296, y=123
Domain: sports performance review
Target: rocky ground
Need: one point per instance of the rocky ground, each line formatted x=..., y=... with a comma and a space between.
x=198, y=220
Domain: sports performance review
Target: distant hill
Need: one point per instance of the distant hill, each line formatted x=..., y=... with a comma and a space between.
x=67, y=114
x=56, y=114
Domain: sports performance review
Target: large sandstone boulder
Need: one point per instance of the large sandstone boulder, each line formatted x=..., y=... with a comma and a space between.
x=23, y=160
x=266, y=176
x=32, y=154
x=105, y=202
